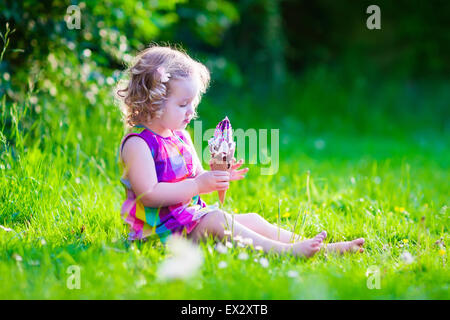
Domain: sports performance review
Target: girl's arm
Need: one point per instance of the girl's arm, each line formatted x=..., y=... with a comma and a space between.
x=143, y=179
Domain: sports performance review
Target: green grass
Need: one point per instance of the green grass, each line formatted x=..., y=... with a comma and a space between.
x=372, y=174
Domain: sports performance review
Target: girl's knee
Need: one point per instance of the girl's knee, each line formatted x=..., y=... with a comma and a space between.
x=215, y=220
x=254, y=215
x=251, y=216
x=217, y=215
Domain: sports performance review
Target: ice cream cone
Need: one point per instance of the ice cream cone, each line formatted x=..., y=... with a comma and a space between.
x=220, y=166
x=222, y=147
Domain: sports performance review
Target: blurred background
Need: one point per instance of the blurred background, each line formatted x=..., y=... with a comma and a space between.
x=363, y=119
x=310, y=68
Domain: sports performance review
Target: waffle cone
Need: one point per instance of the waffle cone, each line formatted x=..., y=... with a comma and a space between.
x=220, y=166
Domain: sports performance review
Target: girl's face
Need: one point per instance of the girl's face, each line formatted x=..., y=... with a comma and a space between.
x=180, y=104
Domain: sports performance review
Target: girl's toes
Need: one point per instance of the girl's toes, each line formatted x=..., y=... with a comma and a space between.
x=315, y=249
x=357, y=245
x=315, y=244
x=321, y=236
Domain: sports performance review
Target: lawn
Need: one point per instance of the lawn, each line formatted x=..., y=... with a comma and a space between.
x=354, y=161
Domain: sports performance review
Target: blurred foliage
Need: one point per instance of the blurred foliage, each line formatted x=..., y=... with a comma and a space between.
x=364, y=111
x=260, y=39
x=413, y=40
x=254, y=45
x=59, y=63
x=110, y=31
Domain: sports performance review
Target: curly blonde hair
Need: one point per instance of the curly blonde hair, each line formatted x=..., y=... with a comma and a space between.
x=144, y=95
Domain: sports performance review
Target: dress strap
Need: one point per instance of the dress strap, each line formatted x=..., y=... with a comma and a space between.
x=148, y=138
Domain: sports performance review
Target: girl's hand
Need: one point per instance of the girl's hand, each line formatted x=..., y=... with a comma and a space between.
x=237, y=174
x=209, y=181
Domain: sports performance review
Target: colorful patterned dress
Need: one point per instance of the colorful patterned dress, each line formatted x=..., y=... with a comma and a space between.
x=173, y=157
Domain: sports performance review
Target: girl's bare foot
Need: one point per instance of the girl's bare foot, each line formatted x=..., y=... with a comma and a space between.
x=309, y=247
x=346, y=246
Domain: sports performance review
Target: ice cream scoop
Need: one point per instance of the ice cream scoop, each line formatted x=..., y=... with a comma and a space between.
x=222, y=148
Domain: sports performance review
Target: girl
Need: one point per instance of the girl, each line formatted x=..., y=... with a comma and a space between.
x=162, y=174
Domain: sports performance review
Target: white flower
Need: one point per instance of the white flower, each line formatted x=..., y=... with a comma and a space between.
x=6, y=229
x=292, y=274
x=264, y=262
x=227, y=232
x=238, y=238
x=127, y=58
x=186, y=259
x=407, y=257
x=110, y=81
x=243, y=256
x=221, y=248
x=222, y=264
x=87, y=53
x=248, y=241
x=17, y=257
x=140, y=282
x=258, y=248
x=229, y=244
x=164, y=76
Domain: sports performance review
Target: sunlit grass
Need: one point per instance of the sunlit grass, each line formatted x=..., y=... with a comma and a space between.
x=60, y=195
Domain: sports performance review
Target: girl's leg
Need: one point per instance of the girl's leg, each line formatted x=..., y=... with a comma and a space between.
x=216, y=222
x=345, y=246
x=258, y=224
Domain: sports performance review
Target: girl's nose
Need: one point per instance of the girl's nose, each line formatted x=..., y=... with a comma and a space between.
x=190, y=109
